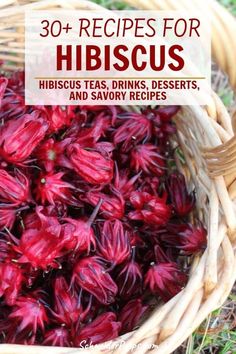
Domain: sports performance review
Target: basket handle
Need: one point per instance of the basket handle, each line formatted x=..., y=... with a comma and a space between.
x=223, y=28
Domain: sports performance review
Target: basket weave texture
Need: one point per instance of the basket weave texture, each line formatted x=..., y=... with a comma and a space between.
x=199, y=130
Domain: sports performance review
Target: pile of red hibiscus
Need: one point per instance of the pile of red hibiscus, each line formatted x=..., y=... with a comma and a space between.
x=93, y=216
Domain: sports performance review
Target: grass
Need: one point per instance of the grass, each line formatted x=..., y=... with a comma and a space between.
x=230, y=5
x=113, y=4
x=217, y=334
x=220, y=85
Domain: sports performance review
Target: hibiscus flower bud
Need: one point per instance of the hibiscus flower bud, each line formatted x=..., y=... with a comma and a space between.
x=39, y=219
x=162, y=123
x=12, y=335
x=131, y=314
x=168, y=112
x=51, y=153
x=148, y=158
x=104, y=148
x=13, y=106
x=162, y=256
x=7, y=217
x=123, y=184
x=6, y=251
x=44, y=216
x=108, y=114
x=135, y=239
x=12, y=278
x=165, y=280
x=31, y=221
x=182, y=201
x=79, y=234
x=129, y=280
x=30, y=313
x=3, y=86
x=114, y=245
x=112, y=207
x=51, y=188
x=57, y=337
x=110, y=111
x=16, y=82
x=149, y=209
x=91, y=165
x=193, y=239
x=90, y=136
x=67, y=304
x=41, y=247
x=90, y=274
x=150, y=185
x=135, y=127
x=14, y=189
x=19, y=137
x=60, y=117
x=104, y=328
x=12, y=96
x=188, y=238
x=57, y=117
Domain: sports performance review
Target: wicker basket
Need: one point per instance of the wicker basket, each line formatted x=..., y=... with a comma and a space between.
x=200, y=131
